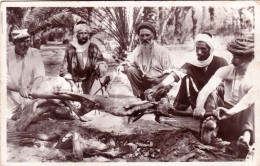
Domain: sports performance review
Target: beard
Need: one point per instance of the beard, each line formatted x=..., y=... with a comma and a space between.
x=82, y=41
x=146, y=49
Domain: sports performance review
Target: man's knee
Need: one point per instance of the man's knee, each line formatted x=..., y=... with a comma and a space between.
x=214, y=100
x=248, y=118
x=211, y=102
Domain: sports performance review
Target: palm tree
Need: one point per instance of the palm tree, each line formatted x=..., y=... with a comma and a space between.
x=119, y=23
x=40, y=19
x=14, y=19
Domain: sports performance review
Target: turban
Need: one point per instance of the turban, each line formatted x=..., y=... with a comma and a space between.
x=241, y=47
x=209, y=41
x=146, y=25
x=19, y=34
x=81, y=27
x=205, y=38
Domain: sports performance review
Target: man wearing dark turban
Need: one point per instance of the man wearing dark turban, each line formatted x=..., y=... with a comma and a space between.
x=149, y=66
x=235, y=111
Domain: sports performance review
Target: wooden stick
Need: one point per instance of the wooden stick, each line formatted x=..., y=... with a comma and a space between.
x=190, y=114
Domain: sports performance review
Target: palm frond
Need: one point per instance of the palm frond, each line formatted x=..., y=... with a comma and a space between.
x=41, y=18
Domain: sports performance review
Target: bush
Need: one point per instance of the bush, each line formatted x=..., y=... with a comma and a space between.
x=66, y=41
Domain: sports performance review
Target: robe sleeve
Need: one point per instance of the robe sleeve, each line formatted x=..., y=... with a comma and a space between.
x=96, y=56
x=64, y=71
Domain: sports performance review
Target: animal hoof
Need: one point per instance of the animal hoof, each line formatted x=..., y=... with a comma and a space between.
x=157, y=118
x=243, y=148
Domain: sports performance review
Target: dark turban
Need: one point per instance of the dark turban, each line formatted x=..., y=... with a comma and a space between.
x=146, y=25
x=241, y=47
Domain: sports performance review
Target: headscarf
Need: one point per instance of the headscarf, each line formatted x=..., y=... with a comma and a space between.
x=210, y=42
x=207, y=39
x=241, y=47
x=19, y=34
x=80, y=28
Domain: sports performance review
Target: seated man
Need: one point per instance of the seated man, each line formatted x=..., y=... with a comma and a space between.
x=83, y=62
x=25, y=69
x=198, y=71
x=146, y=66
x=236, y=109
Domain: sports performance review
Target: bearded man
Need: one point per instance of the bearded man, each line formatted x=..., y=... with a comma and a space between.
x=83, y=62
x=199, y=70
x=234, y=110
x=148, y=65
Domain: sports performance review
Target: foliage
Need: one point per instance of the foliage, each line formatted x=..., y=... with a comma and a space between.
x=119, y=23
x=14, y=18
x=174, y=24
x=38, y=19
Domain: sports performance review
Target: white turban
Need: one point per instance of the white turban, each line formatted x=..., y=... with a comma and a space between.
x=210, y=42
x=207, y=39
x=18, y=34
x=74, y=42
x=81, y=27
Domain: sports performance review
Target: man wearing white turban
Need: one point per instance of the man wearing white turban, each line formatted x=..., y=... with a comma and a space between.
x=83, y=62
x=198, y=70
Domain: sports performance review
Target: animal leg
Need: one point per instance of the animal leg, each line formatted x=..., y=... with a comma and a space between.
x=209, y=130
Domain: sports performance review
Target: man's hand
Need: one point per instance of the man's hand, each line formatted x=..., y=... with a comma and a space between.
x=167, y=71
x=222, y=113
x=24, y=92
x=119, y=69
x=73, y=86
x=149, y=94
x=102, y=69
x=199, y=112
x=122, y=67
x=157, y=92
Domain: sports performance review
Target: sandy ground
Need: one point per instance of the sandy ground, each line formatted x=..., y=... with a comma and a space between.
x=175, y=139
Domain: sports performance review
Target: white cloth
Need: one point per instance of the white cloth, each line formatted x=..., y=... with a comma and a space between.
x=18, y=34
x=207, y=39
x=81, y=28
x=79, y=48
x=74, y=42
x=236, y=85
x=194, y=61
x=210, y=42
x=23, y=71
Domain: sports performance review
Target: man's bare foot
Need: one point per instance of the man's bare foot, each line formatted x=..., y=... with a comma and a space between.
x=243, y=147
x=251, y=154
x=209, y=130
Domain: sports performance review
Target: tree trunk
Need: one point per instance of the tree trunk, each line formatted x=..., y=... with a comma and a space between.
x=164, y=24
x=180, y=14
x=194, y=23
